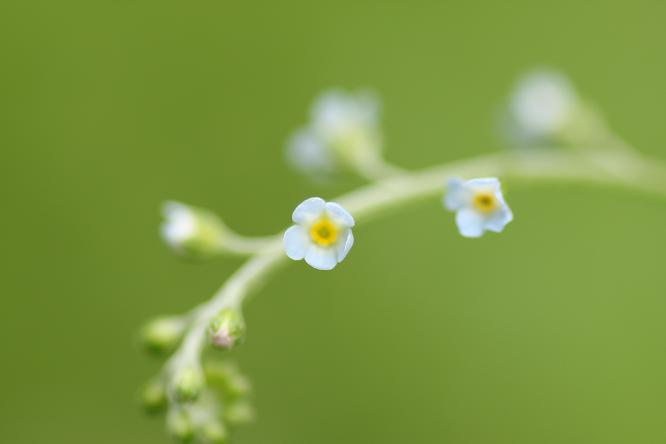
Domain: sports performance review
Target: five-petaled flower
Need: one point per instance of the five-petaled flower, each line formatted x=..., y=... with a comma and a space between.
x=479, y=206
x=321, y=235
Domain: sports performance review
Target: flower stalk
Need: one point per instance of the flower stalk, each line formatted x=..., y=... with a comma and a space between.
x=344, y=134
x=641, y=174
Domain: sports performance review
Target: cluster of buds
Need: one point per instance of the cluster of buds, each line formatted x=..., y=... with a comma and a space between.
x=219, y=406
x=202, y=402
x=198, y=422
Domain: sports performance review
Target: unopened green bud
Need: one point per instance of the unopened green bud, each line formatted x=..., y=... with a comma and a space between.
x=227, y=378
x=227, y=328
x=154, y=396
x=188, y=384
x=214, y=432
x=239, y=413
x=163, y=334
x=179, y=425
x=238, y=385
x=192, y=232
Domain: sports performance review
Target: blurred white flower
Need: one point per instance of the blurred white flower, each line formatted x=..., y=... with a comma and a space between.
x=191, y=231
x=343, y=131
x=479, y=206
x=322, y=234
x=542, y=104
x=180, y=224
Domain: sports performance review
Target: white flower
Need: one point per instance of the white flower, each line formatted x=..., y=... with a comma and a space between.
x=343, y=131
x=542, y=104
x=192, y=231
x=322, y=234
x=479, y=206
x=180, y=224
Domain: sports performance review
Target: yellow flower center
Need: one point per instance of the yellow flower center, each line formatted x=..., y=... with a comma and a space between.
x=323, y=232
x=485, y=201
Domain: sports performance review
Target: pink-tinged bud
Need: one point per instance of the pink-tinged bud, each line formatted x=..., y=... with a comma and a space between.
x=227, y=328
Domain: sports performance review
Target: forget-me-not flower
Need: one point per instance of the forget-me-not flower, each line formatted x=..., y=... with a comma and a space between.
x=321, y=235
x=479, y=205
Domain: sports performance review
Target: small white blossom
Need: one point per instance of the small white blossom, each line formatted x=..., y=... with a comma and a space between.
x=180, y=224
x=343, y=131
x=321, y=235
x=479, y=206
x=192, y=231
x=542, y=104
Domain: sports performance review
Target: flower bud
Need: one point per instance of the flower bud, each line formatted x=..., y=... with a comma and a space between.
x=188, y=384
x=214, y=432
x=227, y=378
x=239, y=413
x=153, y=396
x=227, y=328
x=238, y=385
x=179, y=425
x=163, y=334
x=192, y=231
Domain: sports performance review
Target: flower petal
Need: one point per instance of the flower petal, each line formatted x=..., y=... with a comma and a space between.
x=455, y=197
x=485, y=183
x=308, y=210
x=343, y=247
x=496, y=221
x=470, y=223
x=339, y=215
x=321, y=258
x=296, y=242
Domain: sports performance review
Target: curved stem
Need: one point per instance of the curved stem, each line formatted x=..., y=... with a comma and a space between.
x=243, y=245
x=377, y=168
x=594, y=167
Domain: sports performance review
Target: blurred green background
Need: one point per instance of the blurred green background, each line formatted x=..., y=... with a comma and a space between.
x=552, y=332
